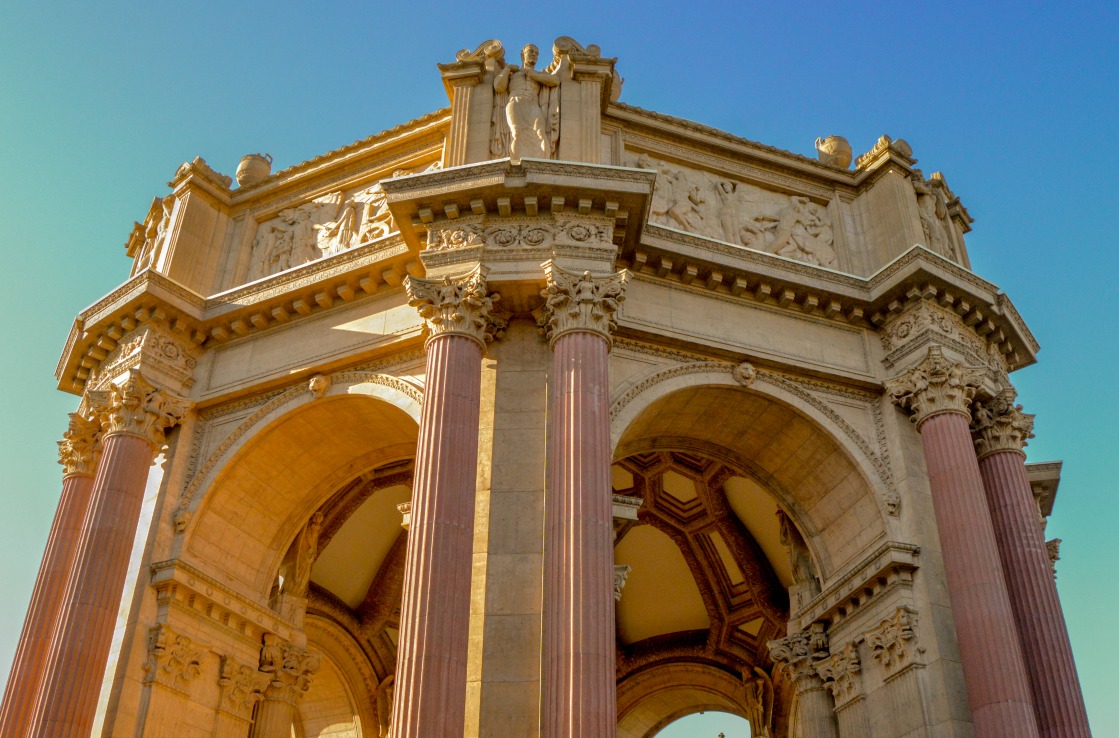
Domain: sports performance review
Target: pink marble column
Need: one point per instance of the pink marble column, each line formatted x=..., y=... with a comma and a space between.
x=1002, y=429
x=78, y=453
x=135, y=416
x=939, y=394
x=578, y=644
x=430, y=681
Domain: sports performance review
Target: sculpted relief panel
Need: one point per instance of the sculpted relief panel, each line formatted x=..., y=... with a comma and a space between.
x=739, y=213
x=327, y=225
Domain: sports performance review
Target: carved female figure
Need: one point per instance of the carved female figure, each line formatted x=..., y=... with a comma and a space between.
x=531, y=107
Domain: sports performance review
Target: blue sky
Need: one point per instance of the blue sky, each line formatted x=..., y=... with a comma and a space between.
x=1016, y=104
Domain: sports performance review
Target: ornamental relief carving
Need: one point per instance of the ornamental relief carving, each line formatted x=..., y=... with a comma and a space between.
x=80, y=447
x=324, y=226
x=893, y=642
x=147, y=240
x=173, y=659
x=932, y=205
x=242, y=686
x=574, y=302
x=456, y=305
x=507, y=234
x=1000, y=425
x=739, y=213
x=154, y=349
x=841, y=674
x=934, y=386
x=289, y=667
x=928, y=321
x=136, y=407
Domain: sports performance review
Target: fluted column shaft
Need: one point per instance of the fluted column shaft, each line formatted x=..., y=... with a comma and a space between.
x=75, y=663
x=579, y=672
x=1033, y=597
x=431, y=659
x=994, y=671
x=817, y=710
x=275, y=713
x=46, y=600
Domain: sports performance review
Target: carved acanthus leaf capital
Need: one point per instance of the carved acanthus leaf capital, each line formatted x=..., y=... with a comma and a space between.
x=456, y=305
x=173, y=659
x=241, y=685
x=840, y=673
x=621, y=573
x=935, y=386
x=800, y=652
x=580, y=302
x=80, y=446
x=137, y=408
x=893, y=642
x=289, y=668
x=1000, y=425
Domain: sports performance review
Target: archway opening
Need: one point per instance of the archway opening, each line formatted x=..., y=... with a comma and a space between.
x=708, y=725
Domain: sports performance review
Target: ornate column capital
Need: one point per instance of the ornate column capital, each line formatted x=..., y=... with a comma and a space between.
x=80, y=447
x=893, y=642
x=1000, y=425
x=456, y=305
x=935, y=386
x=799, y=654
x=173, y=659
x=136, y=407
x=580, y=302
x=241, y=686
x=621, y=573
x=841, y=674
x=288, y=667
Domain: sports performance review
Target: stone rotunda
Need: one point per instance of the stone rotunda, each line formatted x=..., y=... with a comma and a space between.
x=547, y=415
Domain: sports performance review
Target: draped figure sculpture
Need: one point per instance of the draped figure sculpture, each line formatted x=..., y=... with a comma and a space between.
x=526, y=109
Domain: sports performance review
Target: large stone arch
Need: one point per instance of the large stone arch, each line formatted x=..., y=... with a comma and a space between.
x=655, y=697
x=345, y=689
x=258, y=489
x=823, y=474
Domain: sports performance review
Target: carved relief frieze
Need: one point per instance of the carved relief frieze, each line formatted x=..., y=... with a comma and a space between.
x=1000, y=425
x=738, y=213
x=521, y=233
x=893, y=642
x=924, y=322
x=580, y=302
x=154, y=350
x=173, y=659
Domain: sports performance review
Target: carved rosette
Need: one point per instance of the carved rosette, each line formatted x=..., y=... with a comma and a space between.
x=621, y=573
x=1000, y=425
x=893, y=643
x=456, y=305
x=289, y=669
x=241, y=685
x=574, y=302
x=841, y=674
x=80, y=447
x=135, y=407
x=935, y=386
x=173, y=659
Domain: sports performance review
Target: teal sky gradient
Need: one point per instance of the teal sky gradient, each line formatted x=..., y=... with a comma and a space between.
x=1015, y=103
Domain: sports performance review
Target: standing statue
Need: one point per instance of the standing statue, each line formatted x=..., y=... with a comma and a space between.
x=529, y=100
x=934, y=215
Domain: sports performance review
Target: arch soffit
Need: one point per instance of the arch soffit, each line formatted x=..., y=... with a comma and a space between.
x=339, y=646
x=654, y=697
x=383, y=397
x=628, y=405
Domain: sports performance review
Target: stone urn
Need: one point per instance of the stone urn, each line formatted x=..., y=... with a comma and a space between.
x=253, y=168
x=834, y=151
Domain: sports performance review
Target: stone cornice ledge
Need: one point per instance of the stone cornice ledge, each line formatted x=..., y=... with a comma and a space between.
x=887, y=568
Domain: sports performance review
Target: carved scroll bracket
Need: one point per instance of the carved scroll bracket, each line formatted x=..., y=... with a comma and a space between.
x=574, y=302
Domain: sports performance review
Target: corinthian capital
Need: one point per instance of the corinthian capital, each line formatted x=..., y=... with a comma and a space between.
x=840, y=673
x=1000, y=425
x=455, y=305
x=290, y=669
x=935, y=386
x=80, y=446
x=800, y=652
x=580, y=302
x=135, y=407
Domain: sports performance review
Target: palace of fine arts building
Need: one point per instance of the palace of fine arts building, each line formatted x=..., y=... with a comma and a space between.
x=546, y=415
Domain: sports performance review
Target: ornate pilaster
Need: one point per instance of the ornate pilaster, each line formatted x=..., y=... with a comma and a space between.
x=430, y=683
x=896, y=650
x=1000, y=425
x=842, y=677
x=798, y=655
x=289, y=669
x=174, y=662
x=455, y=306
x=578, y=649
x=1001, y=430
x=78, y=451
x=242, y=687
x=893, y=642
x=935, y=386
x=580, y=302
x=135, y=417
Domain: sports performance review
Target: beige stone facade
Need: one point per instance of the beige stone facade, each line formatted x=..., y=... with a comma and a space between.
x=776, y=551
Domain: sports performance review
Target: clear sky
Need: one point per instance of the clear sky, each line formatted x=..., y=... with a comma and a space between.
x=1015, y=103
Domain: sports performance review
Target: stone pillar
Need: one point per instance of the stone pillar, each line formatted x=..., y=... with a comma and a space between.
x=578, y=670
x=1001, y=430
x=939, y=393
x=894, y=647
x=78, y=453
x=430, y=686
x=799, y=654
x=468, y=138
x=289, y=669
x=841, y=675
x=134, y=416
